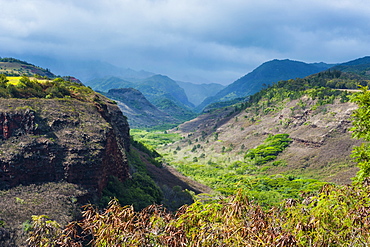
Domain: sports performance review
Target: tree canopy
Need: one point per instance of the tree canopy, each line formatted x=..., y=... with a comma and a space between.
x=361, y=129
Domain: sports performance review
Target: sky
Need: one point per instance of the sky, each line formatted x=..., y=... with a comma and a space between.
x=195, y=40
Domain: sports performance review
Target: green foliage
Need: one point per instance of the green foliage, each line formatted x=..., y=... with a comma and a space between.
x=145, y=148
x=273, y=145
x=337, y=216
x=13, y=60
x=162, y=127
x=139, y=191
x=154, y=138
x=3, y=79
x=361, y=129
x=44, y=231
x=265, y=190
x=58, y=88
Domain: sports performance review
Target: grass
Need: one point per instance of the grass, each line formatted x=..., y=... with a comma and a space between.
x=154, y=138
x=226, y=172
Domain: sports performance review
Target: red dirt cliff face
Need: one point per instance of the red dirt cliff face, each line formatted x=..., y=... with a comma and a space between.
x=62, y=140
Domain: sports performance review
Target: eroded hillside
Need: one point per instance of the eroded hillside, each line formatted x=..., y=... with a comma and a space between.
x=316, y=118
x=321, y=143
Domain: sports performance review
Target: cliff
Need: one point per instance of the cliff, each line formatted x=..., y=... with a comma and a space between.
x=45, y=140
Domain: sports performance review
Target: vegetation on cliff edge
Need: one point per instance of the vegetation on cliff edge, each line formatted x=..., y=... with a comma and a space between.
x=27, y=87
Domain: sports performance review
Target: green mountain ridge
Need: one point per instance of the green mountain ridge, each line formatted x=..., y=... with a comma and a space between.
x=274, y=71
x=160, y=90
x=264, y=75
x=139, y=111
x=360, y=66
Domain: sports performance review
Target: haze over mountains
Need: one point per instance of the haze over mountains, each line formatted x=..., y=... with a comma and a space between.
x=160, y=90
x=181, y=99
x=167, y=94
x=87, y=70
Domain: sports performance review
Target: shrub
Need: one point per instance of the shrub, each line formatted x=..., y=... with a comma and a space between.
x=273, y=145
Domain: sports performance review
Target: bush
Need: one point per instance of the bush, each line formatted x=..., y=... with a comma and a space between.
x=338, y=216
x=273, y=145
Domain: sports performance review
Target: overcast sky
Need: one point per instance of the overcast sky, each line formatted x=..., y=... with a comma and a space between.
x=219, y=40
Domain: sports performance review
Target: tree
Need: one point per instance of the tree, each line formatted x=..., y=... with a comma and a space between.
x=361, y=130
x=3, y=79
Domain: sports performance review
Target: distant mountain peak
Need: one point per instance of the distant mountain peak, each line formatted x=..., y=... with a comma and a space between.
x=265, y=74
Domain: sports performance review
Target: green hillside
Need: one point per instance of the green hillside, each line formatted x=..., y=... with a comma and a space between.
x=161, y=91
x=360, y=66
x=262, y=76
x=28, y=87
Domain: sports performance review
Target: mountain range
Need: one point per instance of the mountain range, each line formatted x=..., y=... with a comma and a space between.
x=161, y=91
x=265, y=74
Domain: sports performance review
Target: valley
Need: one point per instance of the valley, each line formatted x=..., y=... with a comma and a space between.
x=216, y=147
x=256, y=157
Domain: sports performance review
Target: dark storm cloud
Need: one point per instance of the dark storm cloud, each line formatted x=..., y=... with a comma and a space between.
x=216, y=39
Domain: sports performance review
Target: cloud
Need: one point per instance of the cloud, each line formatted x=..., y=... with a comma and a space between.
x=218, y=39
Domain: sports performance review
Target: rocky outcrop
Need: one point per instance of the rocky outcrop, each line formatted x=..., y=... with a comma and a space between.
x=17, y=124
x=46, y=140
